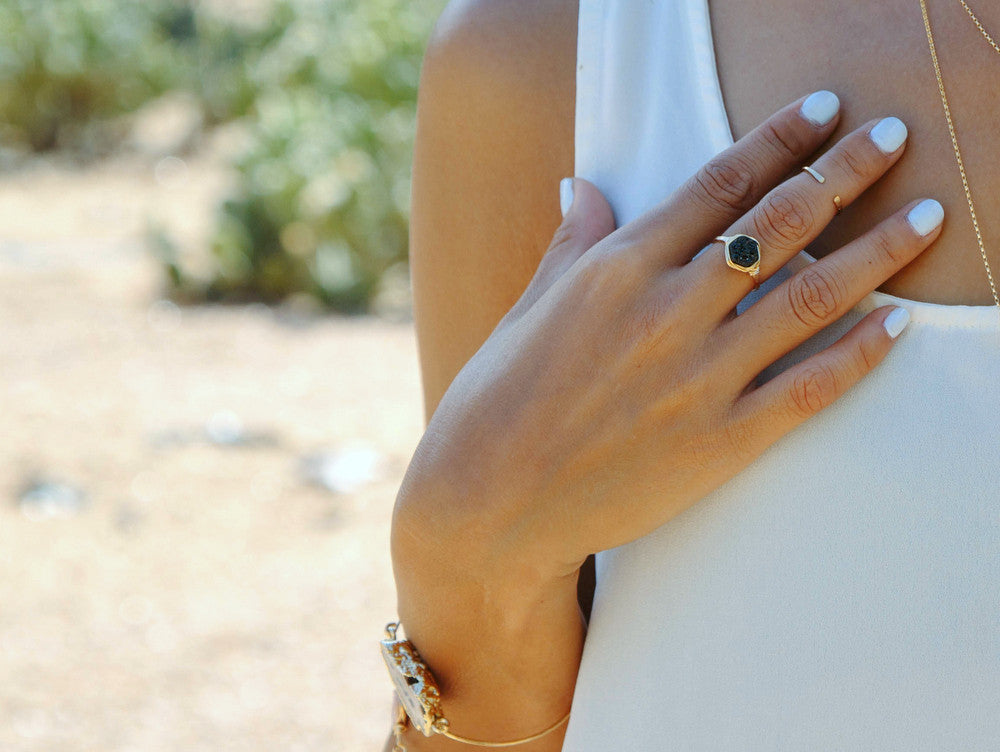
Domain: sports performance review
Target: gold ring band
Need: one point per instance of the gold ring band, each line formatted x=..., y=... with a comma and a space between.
x=742, y=254
x=836, y=199
x=815, y=174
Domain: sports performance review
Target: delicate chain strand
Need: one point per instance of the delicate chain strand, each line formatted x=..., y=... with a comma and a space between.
x=979, y=25
x=958, y=154
x=441, y=727
x=445, y=732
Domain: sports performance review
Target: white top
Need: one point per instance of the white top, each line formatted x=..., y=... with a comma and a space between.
x=843, y=593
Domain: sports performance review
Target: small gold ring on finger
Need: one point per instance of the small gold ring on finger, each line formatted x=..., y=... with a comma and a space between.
x=837, y=202
x=815, y=174
x=743, y=255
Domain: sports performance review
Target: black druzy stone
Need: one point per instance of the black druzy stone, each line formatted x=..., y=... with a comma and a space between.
x=744, y=251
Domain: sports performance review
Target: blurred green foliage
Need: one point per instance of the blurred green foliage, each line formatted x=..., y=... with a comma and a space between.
x=62, y=65
x=324, y=197
x=68, y=68
x=327, y=88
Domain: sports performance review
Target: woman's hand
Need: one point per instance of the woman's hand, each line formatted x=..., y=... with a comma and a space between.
x=620, y=388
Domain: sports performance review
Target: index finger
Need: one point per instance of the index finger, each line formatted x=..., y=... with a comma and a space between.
x=733, y=181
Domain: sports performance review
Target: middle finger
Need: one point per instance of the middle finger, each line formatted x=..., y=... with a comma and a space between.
x=825, y=290
x=794, y=213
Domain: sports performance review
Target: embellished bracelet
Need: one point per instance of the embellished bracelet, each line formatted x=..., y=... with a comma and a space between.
x=420, y=698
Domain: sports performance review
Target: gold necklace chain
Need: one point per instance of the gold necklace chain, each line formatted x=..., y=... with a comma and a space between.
x=958, y=154
x=979, y=25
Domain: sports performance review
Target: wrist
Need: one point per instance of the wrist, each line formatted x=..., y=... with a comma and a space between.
x=449, y=545
x=488, y=622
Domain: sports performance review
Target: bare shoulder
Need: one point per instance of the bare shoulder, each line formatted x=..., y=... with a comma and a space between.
x=494, y=136
x=519, y=40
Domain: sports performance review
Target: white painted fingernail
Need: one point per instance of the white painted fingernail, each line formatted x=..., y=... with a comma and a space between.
x=925, y=216
x=820, y=107
x=565, y=195
x=896, y=321
x=888, y=134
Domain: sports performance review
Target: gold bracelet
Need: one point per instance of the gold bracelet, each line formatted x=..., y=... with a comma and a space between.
x=420, y=698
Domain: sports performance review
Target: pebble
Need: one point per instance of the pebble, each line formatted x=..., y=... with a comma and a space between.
x=47, y=500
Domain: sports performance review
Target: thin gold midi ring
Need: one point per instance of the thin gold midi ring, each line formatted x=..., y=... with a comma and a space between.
x=836, y=199
x=815, y=174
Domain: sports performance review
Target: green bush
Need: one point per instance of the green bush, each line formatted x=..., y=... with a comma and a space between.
x=324, y=192
x=327, y=89
x=69, y=68
x=65, y=64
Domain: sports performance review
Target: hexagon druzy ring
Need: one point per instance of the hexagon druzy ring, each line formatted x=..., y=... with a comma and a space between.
x=743, y=254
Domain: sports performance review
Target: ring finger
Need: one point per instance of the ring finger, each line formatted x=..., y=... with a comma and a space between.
x=794, y=213
x=822, y=292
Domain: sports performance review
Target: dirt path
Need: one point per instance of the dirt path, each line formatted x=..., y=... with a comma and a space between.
x=172, y=578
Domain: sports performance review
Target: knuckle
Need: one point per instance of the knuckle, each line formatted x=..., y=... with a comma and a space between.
x=855, y=165
x=784, y=218
x=608, y=272
x=812, y=390
x=784, y=138
x=814, y=296
x=888, y=249
x=565, y=235
x=554, y=261
x=648, y=326
x=677, y=401
x=595, y=271
x=642, y=328
x=726, y=183
x=867, y=356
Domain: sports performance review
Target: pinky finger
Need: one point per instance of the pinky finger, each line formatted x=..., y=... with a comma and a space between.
x=769, y=412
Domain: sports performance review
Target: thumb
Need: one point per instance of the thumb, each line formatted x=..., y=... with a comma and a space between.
x=587, y=219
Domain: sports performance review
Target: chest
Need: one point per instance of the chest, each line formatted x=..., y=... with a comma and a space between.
x=875, y=56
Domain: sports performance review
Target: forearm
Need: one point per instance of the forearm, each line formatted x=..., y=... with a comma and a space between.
x=502, y=635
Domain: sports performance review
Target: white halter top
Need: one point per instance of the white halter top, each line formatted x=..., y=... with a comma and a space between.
x=842, y=593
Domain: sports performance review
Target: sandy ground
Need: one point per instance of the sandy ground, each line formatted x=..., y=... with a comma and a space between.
x=173, y=578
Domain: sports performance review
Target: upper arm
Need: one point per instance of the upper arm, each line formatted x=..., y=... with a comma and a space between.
x=494, y=136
